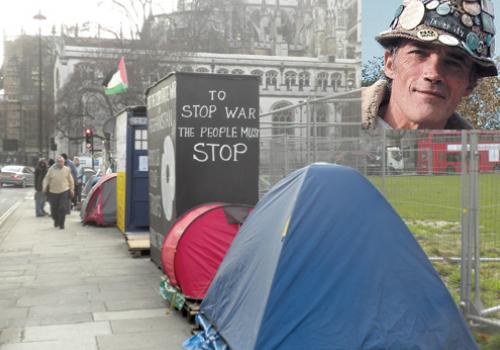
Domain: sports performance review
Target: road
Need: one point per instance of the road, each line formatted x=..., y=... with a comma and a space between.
x=10, y=197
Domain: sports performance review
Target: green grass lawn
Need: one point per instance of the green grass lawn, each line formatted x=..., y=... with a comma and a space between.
x=431, y=207
x=438, y=198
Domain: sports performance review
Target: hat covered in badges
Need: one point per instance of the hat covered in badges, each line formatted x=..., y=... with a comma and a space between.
x=466, y=24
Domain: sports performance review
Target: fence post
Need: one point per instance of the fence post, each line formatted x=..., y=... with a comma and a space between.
x=285, y=146
x=315, y=133
x=465, y=261
x=384, y=160
x=474, y=216
x=430, y=170
x=308, y=131
x=301, y=132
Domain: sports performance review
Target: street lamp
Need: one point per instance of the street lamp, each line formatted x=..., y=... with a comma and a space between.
x=40, y=17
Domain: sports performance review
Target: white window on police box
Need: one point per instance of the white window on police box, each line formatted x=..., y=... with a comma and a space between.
x=141, y=139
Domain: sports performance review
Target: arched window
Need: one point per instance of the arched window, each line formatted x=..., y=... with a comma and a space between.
x=336, y=81
x=322, y=81
x=282, y=120
x=304, y=80
x=271, y=78
x=320, y=116
x=258, y=73
x=237, y=72
x=290, y=79
x=187, y=69
x=202, y=70
x=222, y=71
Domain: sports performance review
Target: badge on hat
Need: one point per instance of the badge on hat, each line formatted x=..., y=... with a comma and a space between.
x=488, y=23
x=432, y=5
x=443, y=9
x=467, y=20
x=427, y=34
x=448, y=40
x=487, y=6
x=471, y=7
x=412, y=15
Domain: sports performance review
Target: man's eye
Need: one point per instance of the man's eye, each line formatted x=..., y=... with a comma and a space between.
x=418, y=53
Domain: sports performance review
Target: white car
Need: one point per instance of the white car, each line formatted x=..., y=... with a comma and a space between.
x=18, y=175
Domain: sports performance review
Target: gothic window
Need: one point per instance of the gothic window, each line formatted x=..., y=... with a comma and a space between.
x=202, y=70
x=259, y=73
x=237, y=72
x=320, y=116
x=336, y=81
x=342, y=19
x=222, y=71
x=271, y=78
x=304, y=80
x=282, y=120
x=322, y=81
x=290, y=79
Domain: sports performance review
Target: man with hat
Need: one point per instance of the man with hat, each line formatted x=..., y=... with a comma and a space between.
x=435, y=51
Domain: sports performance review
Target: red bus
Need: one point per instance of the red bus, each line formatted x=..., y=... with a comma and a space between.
x=441, y=152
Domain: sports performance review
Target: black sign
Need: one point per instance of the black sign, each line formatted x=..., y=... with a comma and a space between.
x=203, y=145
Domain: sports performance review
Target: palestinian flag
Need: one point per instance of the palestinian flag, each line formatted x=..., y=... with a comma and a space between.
x=116, y=81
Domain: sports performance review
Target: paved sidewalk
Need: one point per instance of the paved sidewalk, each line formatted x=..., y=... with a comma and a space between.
x=79, y=289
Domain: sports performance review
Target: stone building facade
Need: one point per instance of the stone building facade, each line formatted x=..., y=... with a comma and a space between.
x=19, y=103
x=300, y=49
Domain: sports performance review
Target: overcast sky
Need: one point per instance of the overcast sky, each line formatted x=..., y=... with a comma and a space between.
x=17, y=15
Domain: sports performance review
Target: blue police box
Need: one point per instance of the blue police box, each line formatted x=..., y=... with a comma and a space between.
x=132, y=171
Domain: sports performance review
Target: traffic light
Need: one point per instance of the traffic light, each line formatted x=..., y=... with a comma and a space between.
x=53, y=144
x=89, y=139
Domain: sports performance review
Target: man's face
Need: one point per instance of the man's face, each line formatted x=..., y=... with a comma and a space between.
x=60, y=161
x=76, y=161
x=428, y=82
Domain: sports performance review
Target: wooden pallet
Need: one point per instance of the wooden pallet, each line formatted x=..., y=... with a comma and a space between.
x=190, y=309
x=138, y=244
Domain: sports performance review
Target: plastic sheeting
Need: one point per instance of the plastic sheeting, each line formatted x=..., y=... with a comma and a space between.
x=324, y=262
x=207, y=339
x=172, y=295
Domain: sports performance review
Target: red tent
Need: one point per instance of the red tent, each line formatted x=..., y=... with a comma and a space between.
x=100, y=204
x=196, y=244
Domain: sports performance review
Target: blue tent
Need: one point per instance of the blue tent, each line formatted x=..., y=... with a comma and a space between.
x=324, y=262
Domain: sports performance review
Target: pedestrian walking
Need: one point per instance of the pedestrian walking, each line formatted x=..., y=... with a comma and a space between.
x=59, y=186
x=79, y=181
x=71, y=167
x=40, y=172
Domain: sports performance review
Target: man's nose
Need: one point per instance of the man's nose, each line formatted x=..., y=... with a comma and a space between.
x=432, y=70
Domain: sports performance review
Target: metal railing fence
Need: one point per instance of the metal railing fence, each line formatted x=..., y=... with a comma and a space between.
x=445, y=186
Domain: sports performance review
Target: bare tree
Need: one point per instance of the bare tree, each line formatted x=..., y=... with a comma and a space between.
x=135, y=12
